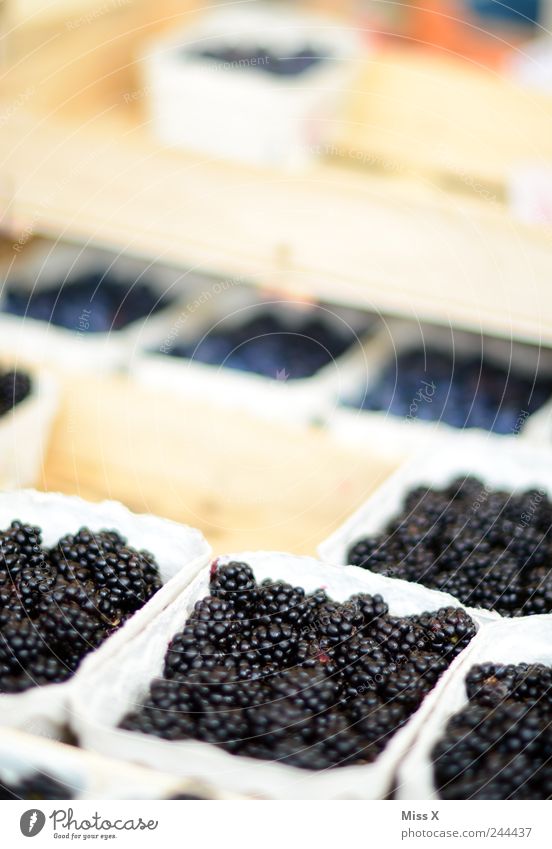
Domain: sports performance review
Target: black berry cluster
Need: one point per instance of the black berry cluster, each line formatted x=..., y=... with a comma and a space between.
x=36, y=786
x=489, y=548
x=500, y=745
x=293, y=64
x=15, y=386
x=269, y=671
x=464, y=392
x=270, y=345
x=57, y=605
x=97, y=302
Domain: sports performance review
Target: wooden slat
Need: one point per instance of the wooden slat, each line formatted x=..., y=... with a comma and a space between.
x=246, y=483
x=439, y=116
x=396, y=245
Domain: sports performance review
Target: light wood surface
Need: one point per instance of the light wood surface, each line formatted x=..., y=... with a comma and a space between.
x=246, y=483
x=387, y=233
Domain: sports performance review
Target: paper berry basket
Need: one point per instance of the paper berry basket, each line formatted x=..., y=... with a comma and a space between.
x=503, y=464
x=237, y=110
x=67, y=772
x=524, y=640
x=46, y=265
x=401, y=436
x=179, y=551
x=106, y=694
x=281, y=396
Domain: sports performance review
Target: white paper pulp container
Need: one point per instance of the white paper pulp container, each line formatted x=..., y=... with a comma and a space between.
x=105, y=695
x=242, y=112
x=180, y=552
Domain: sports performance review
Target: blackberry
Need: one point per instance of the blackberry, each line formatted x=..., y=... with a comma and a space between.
x=15, y=386
x=131, y=577
x=278, y=602
x=269, y=672
x=499, y=746
x=487, y=548
x=235, y=583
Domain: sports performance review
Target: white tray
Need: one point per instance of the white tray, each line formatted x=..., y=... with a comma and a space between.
x=400, y=437
x=528, y=639
x=105, y=695
x=300, y=400
x=180, y=553
x=43, y=265
x=504, y=463
x=244, y=113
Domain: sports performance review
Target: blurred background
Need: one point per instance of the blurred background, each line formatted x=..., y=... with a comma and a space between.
x=264, y=251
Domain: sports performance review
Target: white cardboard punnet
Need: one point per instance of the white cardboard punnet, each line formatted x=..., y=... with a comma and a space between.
x=180, y=553
x=105, y=696
x=524, y=640
x=505, y=464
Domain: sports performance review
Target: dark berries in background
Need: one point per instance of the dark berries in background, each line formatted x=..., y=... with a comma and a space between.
x=293, y=64
x=499, y=746
x=57, y=605
x=488, y=548
x=33, y=787
x=271, y=345
x=269, y=671
x=464, y=391
x=15, y=386
x=92, y=303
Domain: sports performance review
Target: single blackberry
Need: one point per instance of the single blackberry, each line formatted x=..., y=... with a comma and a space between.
x=70, y=633
x=280, y=603
x=130, y=576
x=21, y=643
x=235, y=583
x=398, y=636
x=447, y=631
x=337, y=623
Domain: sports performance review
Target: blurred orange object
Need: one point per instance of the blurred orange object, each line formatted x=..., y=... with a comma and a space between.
x=449, y=27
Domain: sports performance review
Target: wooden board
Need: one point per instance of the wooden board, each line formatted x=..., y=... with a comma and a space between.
x=77, y=159
x=456, y=123
x=246, y=483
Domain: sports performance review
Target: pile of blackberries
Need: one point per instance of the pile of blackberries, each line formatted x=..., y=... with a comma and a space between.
x=92, y=303
x=36, y=786
x=271, y=346
x=293, y=64
x=464, y=392
x=500, y=745
x=268, y=671
x=15, y=386
x=57, y=605
x=489, y=548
